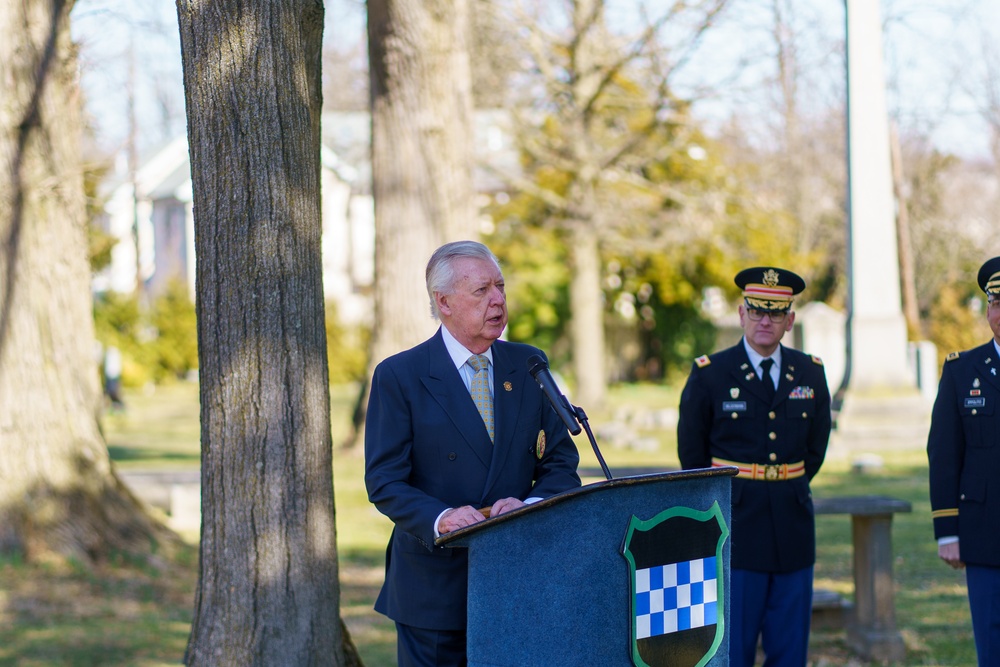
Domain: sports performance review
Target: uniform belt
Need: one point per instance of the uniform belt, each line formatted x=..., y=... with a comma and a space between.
x=766, y=472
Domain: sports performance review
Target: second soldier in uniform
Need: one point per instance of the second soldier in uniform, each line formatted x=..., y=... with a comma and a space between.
x=963, y=450
x=764, y=408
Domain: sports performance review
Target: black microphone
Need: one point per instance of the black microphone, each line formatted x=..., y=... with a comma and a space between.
x=540, y=371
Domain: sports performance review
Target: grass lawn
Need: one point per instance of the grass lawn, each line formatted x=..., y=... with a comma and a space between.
x=123, y=614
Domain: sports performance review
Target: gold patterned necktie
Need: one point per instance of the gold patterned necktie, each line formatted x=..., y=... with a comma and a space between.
x=480, y=389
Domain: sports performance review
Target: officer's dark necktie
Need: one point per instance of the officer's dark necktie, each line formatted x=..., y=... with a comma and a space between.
x=480, y=389
x=765, y=377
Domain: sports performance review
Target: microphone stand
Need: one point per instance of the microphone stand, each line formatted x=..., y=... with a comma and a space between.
x=582, y=417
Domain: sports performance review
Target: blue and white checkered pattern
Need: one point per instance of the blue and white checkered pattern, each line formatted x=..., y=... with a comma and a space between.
x=675, y=597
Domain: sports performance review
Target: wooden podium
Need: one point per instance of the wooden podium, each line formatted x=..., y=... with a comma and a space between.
x=628, y=571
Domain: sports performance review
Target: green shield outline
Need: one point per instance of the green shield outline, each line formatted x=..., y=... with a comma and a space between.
x=635, y=523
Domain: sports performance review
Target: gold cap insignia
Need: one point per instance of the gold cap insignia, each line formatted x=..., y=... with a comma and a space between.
x=768, y=289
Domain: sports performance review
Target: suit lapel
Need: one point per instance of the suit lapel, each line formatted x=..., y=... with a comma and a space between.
x=508, y=390
x=445, y=385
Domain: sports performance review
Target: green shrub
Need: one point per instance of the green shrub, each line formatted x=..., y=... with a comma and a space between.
x=175, y=345
x=160, y=343
x=157, y=343
x=346, y=348
x=118, y=323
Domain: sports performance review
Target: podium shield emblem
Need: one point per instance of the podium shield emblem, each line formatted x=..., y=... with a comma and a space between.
x=678, y=593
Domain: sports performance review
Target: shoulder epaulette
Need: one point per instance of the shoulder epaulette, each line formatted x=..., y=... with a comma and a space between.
x=702, y=361
x=816, y=360
x=951, y=356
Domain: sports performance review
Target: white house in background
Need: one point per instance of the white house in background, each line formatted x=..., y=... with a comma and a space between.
x=162, y=214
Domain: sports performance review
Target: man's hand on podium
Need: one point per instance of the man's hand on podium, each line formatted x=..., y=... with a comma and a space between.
x=501, y=506
x=460, y=517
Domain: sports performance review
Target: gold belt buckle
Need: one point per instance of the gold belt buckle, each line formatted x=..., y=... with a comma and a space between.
x=771, y=472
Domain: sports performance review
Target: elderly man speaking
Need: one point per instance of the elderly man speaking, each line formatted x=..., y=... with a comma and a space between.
x=454, y=424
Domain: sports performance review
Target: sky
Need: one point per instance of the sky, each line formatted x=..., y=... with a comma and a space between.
x=111, y=33
x=934, y=55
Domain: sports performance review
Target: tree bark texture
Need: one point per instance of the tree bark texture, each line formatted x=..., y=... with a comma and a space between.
x=267, y=591
x=58, y=494
x=422, y=161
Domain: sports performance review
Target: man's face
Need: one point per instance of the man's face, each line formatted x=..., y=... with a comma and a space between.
x=993, y=314
x=475, y=311
x=763, y=334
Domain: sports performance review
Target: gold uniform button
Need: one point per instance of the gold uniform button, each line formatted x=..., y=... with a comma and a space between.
x=735, y=415
x=804, y=415
x=772, y=456
x=772, y=435
x=771, y=415
x=974, y=411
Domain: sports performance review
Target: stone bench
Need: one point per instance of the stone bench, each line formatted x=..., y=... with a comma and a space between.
x=175, y=492
x=871, y=625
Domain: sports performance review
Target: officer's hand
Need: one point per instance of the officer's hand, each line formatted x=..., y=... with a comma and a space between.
x=949, y=553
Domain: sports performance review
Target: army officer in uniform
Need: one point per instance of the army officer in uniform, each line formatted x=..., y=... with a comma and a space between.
x=764, y=408
x=963, y=451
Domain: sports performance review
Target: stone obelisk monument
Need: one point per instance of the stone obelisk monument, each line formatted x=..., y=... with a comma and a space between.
x=881, y=387
x=878, y=352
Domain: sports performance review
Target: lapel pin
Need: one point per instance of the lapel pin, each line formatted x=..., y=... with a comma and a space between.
x=975, y=383
x=507, y=386
x=751, y=375
x=789, y=377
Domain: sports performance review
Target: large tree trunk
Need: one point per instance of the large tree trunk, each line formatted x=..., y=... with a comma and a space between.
x=587, y=325
x=58, y=493
x=267, y=592
x=421, y=160
x=585, y=295
x=907, y=272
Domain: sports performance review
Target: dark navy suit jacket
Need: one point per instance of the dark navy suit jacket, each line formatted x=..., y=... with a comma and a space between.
x=724, y=414
x=963, y=450
x=427, y=449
